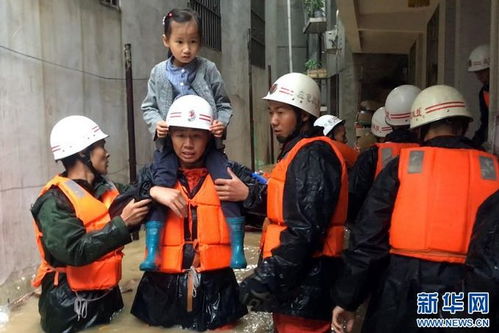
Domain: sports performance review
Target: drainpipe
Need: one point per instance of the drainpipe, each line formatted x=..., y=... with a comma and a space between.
x=132, y=160
x=250, y=102
x=272, y=159
x=290, y=47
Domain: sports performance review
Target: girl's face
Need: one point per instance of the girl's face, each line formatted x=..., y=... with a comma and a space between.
x=183, y=42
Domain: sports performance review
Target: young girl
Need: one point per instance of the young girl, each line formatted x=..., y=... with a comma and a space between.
x=184, y=73
x=193, y=287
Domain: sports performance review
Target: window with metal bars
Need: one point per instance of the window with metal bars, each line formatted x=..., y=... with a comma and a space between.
x=257, y=51
x=211, y=23
x=111, y=3
x=432, y=49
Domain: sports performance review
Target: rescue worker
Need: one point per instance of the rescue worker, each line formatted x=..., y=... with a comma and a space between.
x=306, y=205
x=390, y=125
x=334, y=128
x=379, y=128
x=483, y=257
x=79, y=243
x=194, y=285
x=479, y=63
x=413, y=232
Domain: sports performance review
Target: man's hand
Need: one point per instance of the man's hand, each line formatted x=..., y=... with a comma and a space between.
x=231, y=189
x=134, y=212
x=217, y=128
x=254, y=293
x=161, y=129
x=170, y=198
x=343, y=320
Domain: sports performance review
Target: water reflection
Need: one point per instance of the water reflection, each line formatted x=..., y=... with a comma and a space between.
x=24, y=317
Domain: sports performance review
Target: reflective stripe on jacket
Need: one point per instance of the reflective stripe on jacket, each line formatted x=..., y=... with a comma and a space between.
x=439, y=194
x=387, y=151
x=104, y=273
x=333, y=244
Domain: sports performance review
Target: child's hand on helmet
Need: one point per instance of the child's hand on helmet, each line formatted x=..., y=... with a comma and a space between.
x=217, y=128
x=161, y=129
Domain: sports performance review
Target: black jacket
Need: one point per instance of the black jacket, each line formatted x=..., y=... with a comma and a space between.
x=361, y=176
x=292, y=281
x=393, y=280
x=481, y=133
x=482, y=262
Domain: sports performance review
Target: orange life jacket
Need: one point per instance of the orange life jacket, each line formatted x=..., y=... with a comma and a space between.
x=387, y=151
x=105, y=272
x=439, y=194
x=486, y=98
x=205, y=228
x=333, y=244
x=349, y=154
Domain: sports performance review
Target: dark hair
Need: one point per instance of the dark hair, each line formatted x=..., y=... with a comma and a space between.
x=334, y=131
x=458, y=125
x=181, y=16
x=70, y=161
x=307, y=127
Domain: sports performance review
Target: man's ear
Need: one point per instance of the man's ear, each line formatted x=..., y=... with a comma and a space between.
x=305, y=116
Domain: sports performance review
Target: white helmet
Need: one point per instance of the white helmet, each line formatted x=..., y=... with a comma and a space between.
x=436, y=103
x=329, y=122
x=398, y=105
x=479, y=58
x=298, y=90
x=73, y=134
x=190, y=111
x=379, y=127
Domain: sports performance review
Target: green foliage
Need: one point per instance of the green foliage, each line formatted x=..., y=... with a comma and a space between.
x=312, y=64
x=313, y=5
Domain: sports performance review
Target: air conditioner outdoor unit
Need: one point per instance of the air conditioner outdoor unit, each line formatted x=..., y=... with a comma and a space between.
x=331, y=41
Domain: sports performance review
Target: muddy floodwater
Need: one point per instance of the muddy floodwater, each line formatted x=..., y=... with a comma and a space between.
x=24, y=317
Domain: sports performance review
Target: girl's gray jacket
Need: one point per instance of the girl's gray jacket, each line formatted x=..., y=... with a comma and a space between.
x=207, y=84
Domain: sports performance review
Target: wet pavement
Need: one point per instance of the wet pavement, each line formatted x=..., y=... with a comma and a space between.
x=24, y=317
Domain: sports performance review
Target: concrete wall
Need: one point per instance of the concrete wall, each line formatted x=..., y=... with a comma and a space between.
x=277, y=30
x=142, y=27
x=63, y=57
x=472, y=29
x=232, y=63
x=494, y=76
x=57, y=58
x=262, y=137
x=463, y=25
x=349, y=89
x=236, y=20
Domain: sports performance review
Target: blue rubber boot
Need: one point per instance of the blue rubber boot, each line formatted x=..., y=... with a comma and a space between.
x=236, y=225
x=153, y=230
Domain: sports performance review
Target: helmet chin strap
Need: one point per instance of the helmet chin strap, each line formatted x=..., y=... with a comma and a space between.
x=85, y=158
